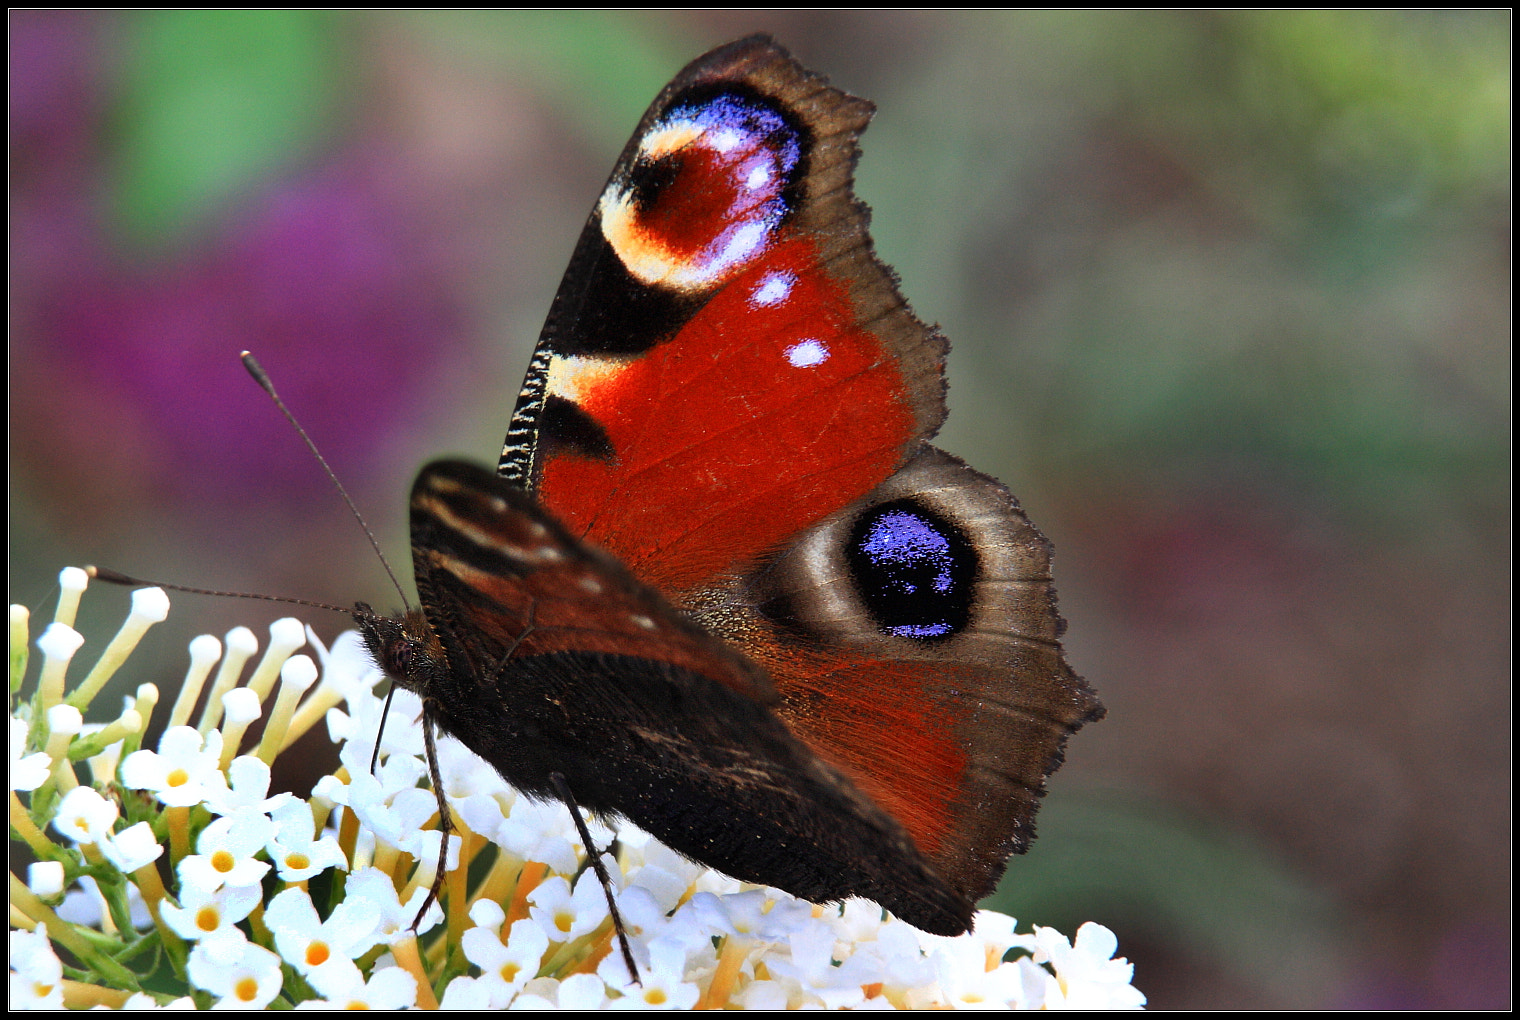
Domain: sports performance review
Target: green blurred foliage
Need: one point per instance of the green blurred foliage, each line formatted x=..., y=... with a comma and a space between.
x=212, y=102
x=1150, y=871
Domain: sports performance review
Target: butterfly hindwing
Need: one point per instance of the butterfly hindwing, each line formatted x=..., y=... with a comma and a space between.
x=915, y=641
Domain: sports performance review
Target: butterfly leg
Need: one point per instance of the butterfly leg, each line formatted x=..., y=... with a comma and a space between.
x=445, y=819
x=385, y=713
x=563, y=789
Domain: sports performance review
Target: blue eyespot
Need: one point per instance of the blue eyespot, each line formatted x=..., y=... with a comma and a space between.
x=914, y=570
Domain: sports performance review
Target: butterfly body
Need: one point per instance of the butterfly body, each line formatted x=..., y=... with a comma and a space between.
x=720, y=583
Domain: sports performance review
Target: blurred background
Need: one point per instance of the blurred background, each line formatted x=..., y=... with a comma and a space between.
x=1230, y=300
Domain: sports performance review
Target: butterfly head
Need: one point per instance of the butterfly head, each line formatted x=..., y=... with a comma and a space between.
x=404, y=648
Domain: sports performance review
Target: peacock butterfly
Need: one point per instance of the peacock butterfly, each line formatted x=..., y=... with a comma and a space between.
x=720, y=584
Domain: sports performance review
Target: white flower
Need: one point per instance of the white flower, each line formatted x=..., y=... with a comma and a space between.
x=466, y=775
x=564, y=915
x=294, y=851
x=665, y=874
x=180, y=774
x=539, y=831
x=770, y=996
x=582, y=992
x=371, y=891
x=389, y=988
x=360, y=728
x=227, y=847
x=815, y=967
x=85, y=816
x=505, y=968
x=132, y=848
x=142, y=1000
x=249, y=789
x=398, y=819
x=1088, y=975
x=28, y=771
x=966, y=982
x=686, y=924
x=348, y=666
x=323, y=951
x=900, y=948
x=540, y=993
x=663, y=983
x=466, y=993
x=241, y=705
x=36, y=975
x=45, y=878
x=393, y=807
x=204, y=913
x=246, y=976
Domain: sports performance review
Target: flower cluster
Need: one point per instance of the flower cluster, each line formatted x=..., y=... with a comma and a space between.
x=172, y=877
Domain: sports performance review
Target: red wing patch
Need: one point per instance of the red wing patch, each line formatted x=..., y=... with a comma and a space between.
x=734, y=433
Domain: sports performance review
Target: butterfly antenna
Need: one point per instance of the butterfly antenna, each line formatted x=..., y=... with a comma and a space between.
x=262, y=378
x=110, y=576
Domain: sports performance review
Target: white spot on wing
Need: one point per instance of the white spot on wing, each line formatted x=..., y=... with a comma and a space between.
x=724, y=139
x=642, y=621
x=740, y=245
x=807, y=354
x=774, y=288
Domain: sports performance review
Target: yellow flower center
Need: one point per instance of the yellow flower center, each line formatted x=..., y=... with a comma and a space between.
x=208, y=919
x=296, y=862
x=655, y=996
x=563, y=920
x=509, y=971
x=223, y=861
x=246, y=989
x=317, y=954
x=179, y=777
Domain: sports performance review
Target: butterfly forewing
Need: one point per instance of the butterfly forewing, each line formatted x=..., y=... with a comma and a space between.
x=511, y=583
x=694, y=428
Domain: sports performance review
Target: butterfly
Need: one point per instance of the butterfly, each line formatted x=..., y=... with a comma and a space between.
x=719, y=583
